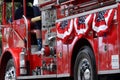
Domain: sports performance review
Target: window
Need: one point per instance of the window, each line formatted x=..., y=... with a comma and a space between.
x=8, y=11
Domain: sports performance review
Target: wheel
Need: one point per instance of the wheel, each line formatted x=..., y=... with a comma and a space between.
x=10, y=73
x=85, y=65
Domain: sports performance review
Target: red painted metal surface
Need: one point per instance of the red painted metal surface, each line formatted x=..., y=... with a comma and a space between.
x=105, y=47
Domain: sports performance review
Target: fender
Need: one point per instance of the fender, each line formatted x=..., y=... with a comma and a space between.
x=14, y=52
x=75, y=47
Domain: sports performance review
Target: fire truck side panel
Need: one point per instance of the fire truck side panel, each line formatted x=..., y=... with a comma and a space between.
x=113, y=51
x=108, y=47
x=59, y=52
x=35, y=61
x=65, y=59
x=94, y=45
x=62, y=58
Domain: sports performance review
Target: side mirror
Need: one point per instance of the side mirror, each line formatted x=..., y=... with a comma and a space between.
x=1, y=3
x=117, y=0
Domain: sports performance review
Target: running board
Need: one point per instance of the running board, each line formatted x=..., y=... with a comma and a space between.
x=37, y=77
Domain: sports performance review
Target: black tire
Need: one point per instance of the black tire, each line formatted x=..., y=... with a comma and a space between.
x=85, y=68
x=10, y=73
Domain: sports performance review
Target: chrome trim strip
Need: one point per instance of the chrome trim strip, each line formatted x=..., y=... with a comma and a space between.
x=109, y=72
x=44, y=76
x=63, y=75
x=26, y=23
x=37, y=76
x=88, y=12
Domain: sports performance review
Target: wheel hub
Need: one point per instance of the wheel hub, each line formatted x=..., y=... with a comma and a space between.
x=10, y=74
x=85, y=70
x=87, y=74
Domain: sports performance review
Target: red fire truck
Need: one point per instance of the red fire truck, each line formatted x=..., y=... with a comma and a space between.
x=80, y=39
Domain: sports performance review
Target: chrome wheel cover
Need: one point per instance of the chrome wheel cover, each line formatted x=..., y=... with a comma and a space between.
x=10, y=74
x=84, y=70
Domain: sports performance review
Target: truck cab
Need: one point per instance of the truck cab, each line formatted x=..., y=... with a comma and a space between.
x=19, y=43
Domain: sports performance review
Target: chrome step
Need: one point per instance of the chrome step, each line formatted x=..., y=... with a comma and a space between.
x=37, y=77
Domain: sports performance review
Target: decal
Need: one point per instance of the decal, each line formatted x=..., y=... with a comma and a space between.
x=115, y=61
x=102, y=21
x=83, y=24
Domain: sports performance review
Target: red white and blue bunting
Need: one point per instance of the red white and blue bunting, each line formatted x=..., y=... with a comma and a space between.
x=64, y=29
x=83, y=24
x=98, y=22
x=102, y=21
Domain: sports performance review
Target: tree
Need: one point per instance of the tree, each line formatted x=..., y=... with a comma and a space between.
x=9, y=10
